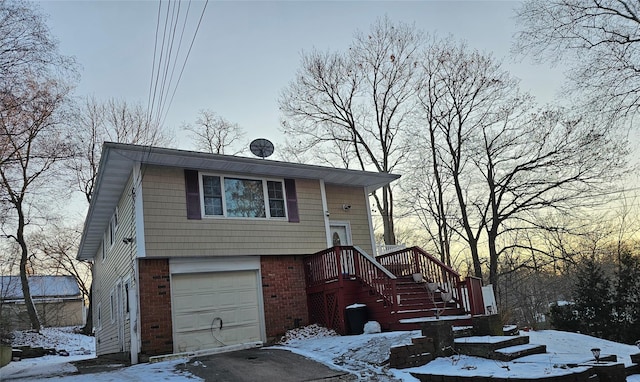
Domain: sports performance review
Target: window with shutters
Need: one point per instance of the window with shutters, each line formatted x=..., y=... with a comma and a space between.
x=240, y=197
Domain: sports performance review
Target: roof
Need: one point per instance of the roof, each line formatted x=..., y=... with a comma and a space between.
x=39, y=286
x=118, y=160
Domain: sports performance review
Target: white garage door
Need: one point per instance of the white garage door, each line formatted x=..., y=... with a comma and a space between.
x=214, y=309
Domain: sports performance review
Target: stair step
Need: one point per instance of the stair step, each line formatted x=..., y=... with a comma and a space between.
x=414, y=309
x=633, y=369
x=512, y=352
x=484, y=346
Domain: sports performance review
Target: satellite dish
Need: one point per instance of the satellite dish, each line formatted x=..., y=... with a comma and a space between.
x=261, y=147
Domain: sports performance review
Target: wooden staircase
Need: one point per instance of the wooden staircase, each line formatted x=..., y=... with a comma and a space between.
x=415, y=301
x=343, y=275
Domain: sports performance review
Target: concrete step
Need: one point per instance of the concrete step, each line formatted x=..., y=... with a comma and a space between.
x=485, y=346
x=512, y=352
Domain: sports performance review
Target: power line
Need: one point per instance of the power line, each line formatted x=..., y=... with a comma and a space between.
x=186, y=58
x=165, y=63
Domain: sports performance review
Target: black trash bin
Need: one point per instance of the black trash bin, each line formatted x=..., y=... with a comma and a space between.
x=356, y=315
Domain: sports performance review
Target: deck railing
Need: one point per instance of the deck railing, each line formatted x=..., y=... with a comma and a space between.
x=346, y=262
x=414, y=260
x=472, y=301
x=341, y=263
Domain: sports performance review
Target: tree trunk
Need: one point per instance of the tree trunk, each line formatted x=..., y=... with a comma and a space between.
x=386, y=212
x=493, y=259
x=24, y=257
x=477, y=266
x=88, y=326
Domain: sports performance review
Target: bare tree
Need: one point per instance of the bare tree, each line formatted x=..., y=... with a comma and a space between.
x=462, y=91
x=58, y=245
x=33, y=90
x=38, y=142
x=598, y=38
x=214, y=134
x=26, y=45
x=360, y=99
x=498, y=158
x=113, y=120
x=550, y=161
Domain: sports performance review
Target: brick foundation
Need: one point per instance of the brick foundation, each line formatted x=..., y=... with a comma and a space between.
x=284, y=295
x=155, y=307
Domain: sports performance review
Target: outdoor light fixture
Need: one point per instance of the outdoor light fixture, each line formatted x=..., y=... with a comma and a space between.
x=127, y=240
x=596, y=354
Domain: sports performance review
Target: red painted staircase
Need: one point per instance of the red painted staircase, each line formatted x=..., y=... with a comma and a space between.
x=345, y=275
x=417, y=301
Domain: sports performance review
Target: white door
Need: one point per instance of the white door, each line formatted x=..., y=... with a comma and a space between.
x=214, y=309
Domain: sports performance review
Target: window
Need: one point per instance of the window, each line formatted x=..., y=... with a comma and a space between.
x=244, y=198
x=240, y=197
x=126, y=297
x=212, y=195
x=99, y=314
x=113, y=227
x=276, y=199
x=113, y=307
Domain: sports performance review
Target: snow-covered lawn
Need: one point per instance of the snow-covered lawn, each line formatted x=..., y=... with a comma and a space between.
x=362, y=355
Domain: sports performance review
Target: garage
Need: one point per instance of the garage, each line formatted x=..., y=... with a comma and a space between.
x=215, y=309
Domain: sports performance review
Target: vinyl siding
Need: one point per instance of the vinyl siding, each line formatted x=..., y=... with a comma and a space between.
x=116, y=268
x=337, y=196
x=169, y=233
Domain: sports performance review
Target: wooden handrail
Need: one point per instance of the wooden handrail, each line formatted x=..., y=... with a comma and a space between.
x=348, y=262
x=414, y=260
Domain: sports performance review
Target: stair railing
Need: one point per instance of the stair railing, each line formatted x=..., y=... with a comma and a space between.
x=348, y=263
x=415, y=261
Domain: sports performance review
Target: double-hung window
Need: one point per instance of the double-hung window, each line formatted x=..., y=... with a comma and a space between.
x=242, y=197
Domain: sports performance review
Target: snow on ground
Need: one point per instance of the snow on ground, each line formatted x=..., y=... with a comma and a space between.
x=571, y=343
x=363, y=355
x=59, y=338
x=79, y=347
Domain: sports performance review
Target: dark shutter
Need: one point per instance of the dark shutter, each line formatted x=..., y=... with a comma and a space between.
x=192, y=186
x=292, y=200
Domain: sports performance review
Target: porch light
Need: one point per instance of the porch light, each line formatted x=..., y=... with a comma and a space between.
x=596, y=354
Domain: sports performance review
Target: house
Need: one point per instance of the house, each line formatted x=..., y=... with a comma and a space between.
x=194, y=251
x=57, y=299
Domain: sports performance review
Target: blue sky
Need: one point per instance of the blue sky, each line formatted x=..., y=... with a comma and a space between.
x=246, y=52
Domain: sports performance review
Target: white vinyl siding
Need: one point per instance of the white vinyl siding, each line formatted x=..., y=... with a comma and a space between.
x=118, y=265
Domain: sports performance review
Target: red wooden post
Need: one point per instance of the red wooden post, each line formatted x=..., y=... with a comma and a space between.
x=476, y=302
x=338, y=253
x=416, y=261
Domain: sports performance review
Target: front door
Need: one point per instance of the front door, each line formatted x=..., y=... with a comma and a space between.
x=340, y=233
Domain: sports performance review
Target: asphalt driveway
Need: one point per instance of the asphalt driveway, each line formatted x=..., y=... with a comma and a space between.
x=261, y=364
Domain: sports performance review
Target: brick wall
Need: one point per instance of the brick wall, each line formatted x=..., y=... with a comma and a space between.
x=285, y=298
x=155, y=307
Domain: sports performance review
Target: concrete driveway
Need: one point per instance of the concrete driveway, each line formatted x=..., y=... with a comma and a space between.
x=260, y=364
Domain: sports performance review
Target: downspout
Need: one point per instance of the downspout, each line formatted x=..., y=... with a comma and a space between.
x=374, y=248
x=325, y=208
